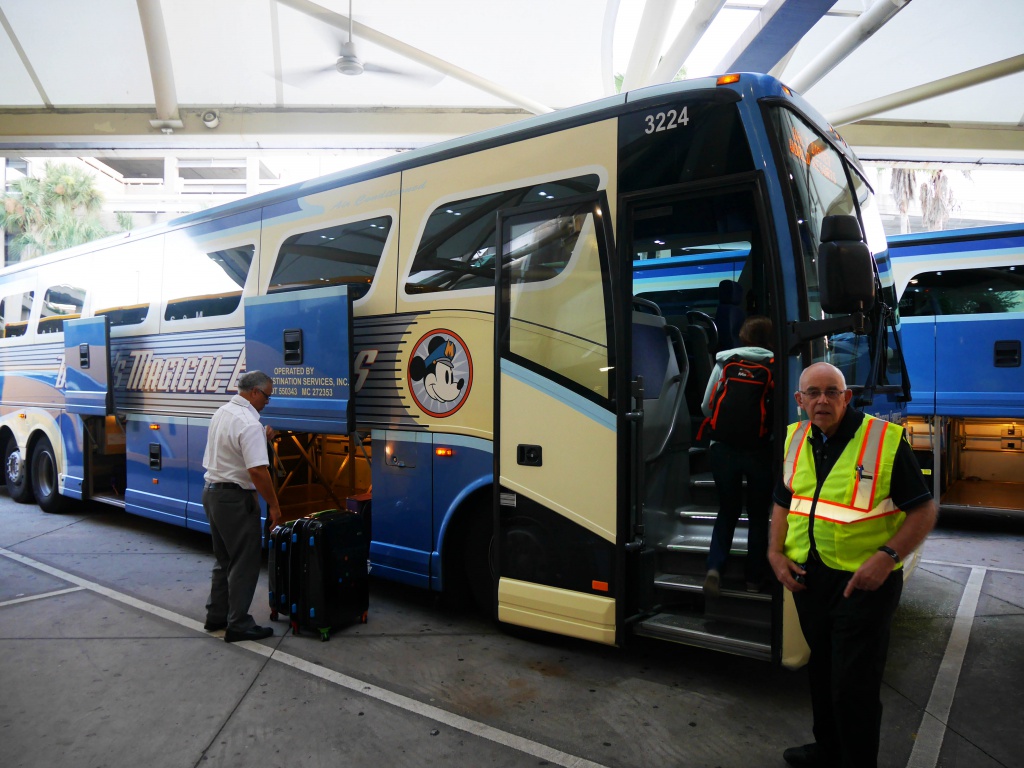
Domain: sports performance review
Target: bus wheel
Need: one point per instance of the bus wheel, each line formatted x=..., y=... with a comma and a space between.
x=43, y=477
x=16, y=473
x=479, y=561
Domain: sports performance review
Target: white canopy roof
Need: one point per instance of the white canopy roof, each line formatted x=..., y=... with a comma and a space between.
x=117, y=76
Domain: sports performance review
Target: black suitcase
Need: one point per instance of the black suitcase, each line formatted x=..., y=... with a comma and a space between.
x=330, y=588
x=279, y=552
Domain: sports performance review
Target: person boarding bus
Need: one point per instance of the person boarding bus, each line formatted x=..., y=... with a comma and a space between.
x=737, y=404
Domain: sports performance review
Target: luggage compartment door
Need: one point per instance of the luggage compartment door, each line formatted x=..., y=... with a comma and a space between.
x=87, y=366
x=558, y=455
x=303, y=340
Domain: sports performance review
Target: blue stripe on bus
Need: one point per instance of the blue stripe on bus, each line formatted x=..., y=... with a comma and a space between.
x=956, y=251
x=973, y=233
x=464, y=441
x=578, y=403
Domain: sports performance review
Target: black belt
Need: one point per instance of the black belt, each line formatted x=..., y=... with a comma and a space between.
x=225, y=487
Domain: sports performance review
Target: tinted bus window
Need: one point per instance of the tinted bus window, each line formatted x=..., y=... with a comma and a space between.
x=874, y=235
x=60, y=303
x=988, y=290
x=348, y=253
x=457, y=249
x=14, y=311
x=684, y=249
x=819, y=187
x=219, y=276
x=685, y=141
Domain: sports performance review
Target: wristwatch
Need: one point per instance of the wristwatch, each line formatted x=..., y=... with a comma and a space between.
x=891, y=553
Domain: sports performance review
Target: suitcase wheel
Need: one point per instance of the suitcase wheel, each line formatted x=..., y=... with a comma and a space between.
x=362, y=619
x=295, y=627
x=273, y=614
x=325, y=634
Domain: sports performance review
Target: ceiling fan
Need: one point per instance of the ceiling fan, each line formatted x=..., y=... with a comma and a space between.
x=349, y=63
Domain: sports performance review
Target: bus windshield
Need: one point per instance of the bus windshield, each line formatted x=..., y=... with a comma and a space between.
x=820, y=184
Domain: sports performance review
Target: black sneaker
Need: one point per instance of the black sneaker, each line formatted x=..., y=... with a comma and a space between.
x=810, y=756
x=253, y=633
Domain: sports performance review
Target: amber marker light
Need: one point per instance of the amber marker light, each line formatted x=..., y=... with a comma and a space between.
x=154, y=426
x=727, y=79
x=445, y=452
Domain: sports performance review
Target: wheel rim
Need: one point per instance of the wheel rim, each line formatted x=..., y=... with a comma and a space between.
x=14, y=467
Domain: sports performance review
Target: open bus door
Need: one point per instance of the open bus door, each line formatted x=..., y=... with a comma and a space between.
x=87, y=366
x=559, y=454
x=87, y=392
x=303, y=341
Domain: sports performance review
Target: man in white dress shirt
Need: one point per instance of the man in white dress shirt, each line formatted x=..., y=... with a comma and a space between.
x=237, y=467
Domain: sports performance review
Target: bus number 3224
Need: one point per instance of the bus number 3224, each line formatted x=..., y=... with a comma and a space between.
x=666, y=121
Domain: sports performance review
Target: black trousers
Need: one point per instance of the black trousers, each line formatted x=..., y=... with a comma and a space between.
x=849, y=641
x=729, y=465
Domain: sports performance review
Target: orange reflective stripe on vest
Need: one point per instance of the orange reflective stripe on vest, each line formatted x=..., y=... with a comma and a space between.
x=853, y=514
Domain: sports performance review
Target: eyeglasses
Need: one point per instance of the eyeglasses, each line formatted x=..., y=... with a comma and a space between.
x=814, y=393
x=263, y=392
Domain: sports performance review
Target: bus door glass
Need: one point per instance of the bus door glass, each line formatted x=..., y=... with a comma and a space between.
x=557, y=453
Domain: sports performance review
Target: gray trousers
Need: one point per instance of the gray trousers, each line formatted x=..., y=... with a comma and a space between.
x=234, y=516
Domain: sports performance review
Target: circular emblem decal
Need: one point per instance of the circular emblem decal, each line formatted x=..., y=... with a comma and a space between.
x=440, y=373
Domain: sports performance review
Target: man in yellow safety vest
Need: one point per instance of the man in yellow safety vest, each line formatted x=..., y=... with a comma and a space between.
x=851, y=504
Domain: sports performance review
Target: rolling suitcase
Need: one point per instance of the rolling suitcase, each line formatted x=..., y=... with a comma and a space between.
x=332, y=589
x=278, y=569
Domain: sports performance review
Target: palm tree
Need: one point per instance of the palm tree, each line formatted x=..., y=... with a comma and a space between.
x=57, y=211
x=937, y=201
x=902, y=183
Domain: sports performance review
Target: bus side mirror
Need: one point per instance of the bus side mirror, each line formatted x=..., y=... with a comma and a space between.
x=846, y=278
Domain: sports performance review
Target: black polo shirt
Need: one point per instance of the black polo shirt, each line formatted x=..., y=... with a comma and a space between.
x=907, y=488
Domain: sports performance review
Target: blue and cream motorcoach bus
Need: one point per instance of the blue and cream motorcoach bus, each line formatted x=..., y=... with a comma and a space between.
x=501, y=339
x=962, y=323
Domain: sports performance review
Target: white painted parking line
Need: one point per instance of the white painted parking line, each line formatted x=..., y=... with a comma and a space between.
x=969, y=565
x=43, y=596
x=933, y=727
x=92, y=586
x=442, y=716
x=405, y=703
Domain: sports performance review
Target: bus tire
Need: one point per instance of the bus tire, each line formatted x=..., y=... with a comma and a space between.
x=45, y=479
x=16, y=473
x=479, y=562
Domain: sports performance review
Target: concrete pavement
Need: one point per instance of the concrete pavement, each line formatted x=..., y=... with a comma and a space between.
x=104, y=663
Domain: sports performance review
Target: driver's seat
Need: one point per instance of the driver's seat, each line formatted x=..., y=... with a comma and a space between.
x=730, y=314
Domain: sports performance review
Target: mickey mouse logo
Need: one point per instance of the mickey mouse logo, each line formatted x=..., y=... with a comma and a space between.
x=440, y=373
